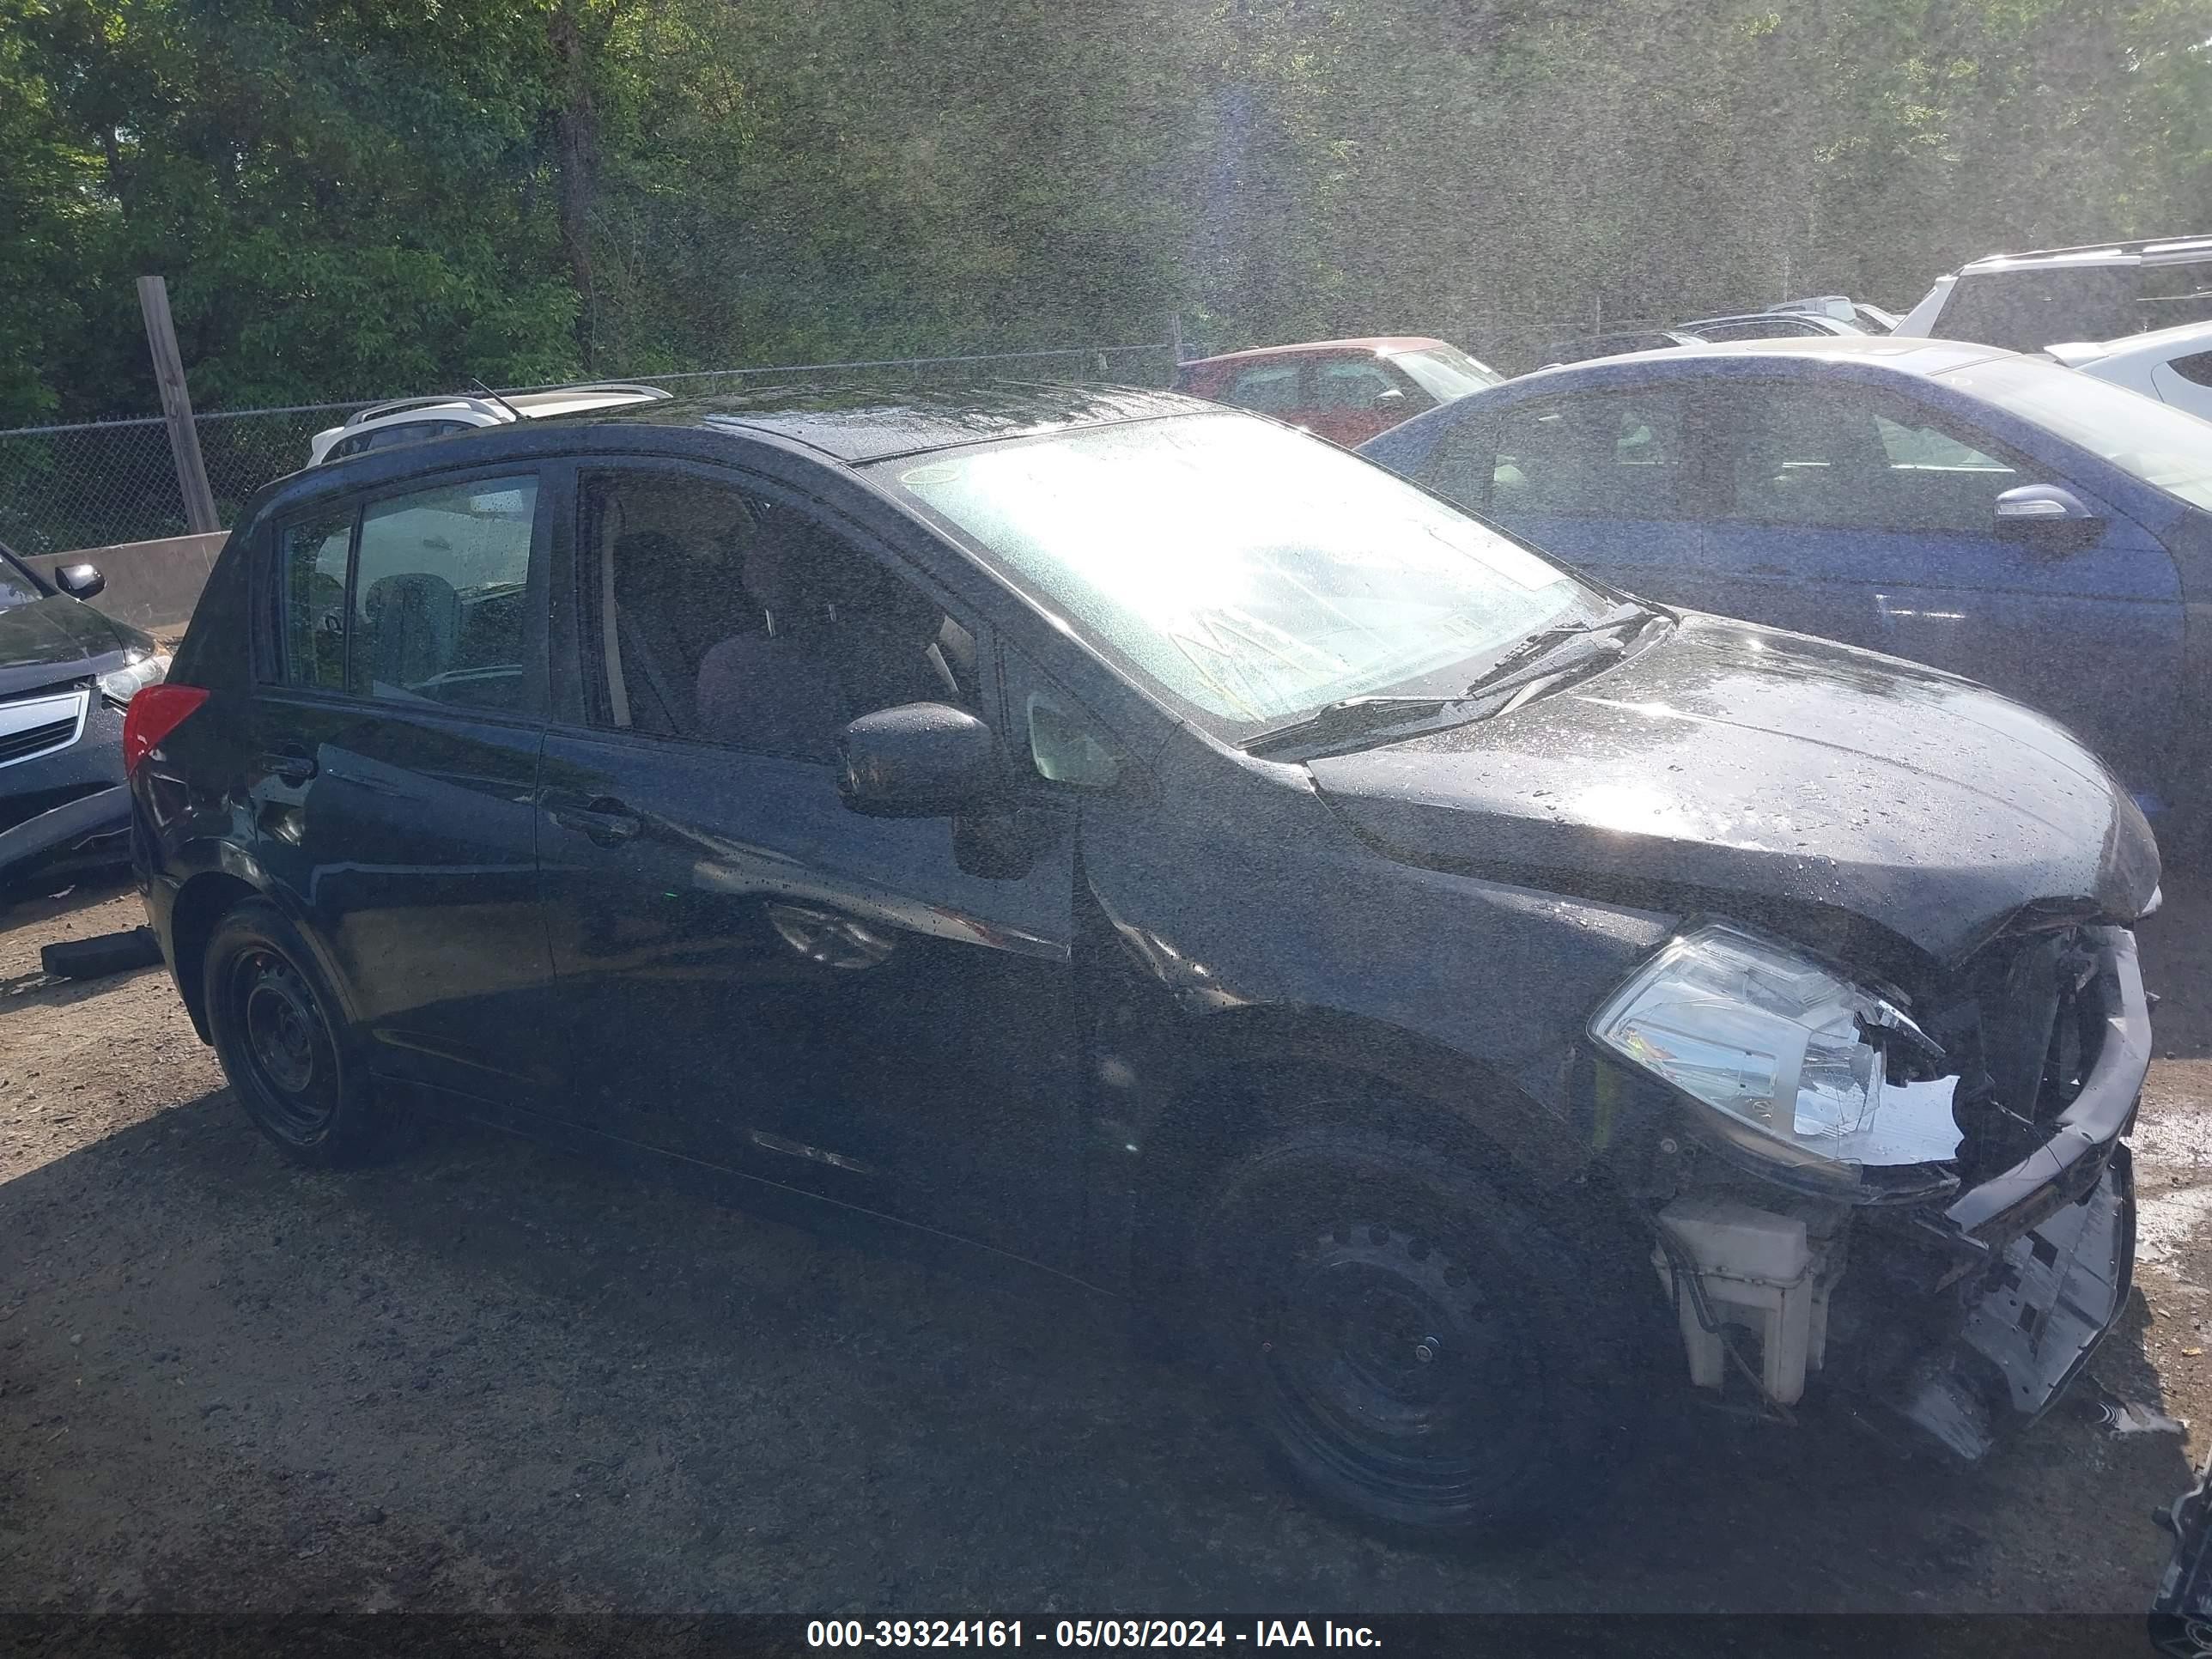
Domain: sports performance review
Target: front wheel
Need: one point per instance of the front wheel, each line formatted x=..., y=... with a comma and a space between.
x=1417, y=1350
x=285, y=1042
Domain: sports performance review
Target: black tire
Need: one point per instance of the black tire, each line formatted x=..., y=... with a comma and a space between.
x=284, y=1042
x=1419, y=1351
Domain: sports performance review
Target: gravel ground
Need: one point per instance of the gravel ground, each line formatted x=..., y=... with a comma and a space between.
x=490, y=1379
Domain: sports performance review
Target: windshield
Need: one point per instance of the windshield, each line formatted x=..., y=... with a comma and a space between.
x=1446, y=371
x=16, y=585
x=2150, y=441
x=1249, y=573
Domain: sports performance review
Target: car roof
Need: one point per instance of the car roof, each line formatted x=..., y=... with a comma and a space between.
x=869, y=421
x=2152, y=342
x=1379, y=345
x=1909, y=356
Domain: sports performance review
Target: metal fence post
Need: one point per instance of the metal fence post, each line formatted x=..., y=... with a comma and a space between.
x=177, y=405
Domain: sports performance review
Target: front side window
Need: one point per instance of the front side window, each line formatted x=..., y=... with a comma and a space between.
x=1350, y=383
x=311, y=562
x=2162, y=445
x=440, y=594
x=1833, y=456
x=729, y=618
x=1246, y=574
x=1272, y=388
x=1611, y=455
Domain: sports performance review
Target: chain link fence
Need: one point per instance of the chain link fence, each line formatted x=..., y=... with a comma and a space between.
x=63, y=488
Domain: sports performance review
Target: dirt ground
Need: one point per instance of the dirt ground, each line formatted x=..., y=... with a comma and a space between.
x=488, y=1378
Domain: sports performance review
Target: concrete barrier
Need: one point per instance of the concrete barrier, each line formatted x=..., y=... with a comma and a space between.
x=154, y=585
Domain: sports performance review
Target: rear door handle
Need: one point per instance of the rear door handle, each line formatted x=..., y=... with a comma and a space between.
x=287, y=766
x=606, y=820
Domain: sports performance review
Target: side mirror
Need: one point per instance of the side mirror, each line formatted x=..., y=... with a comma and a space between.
x=80, y=581
x=2046, y=517
x=1389, y=399
x=921, y=760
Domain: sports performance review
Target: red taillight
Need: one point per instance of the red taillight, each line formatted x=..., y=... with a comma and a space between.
x=153, y=713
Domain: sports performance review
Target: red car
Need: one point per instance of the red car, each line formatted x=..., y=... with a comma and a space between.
x=1346, y=391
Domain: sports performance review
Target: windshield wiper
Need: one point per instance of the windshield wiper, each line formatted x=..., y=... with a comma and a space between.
x=1350, y=717
x=1560, y=649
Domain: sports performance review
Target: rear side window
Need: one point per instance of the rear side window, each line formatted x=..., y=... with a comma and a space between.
x=2168, y=295
x=424, y=598
x=1613, y=456
x=2027, y=309
x=312, y=565
x=440, y=594
x=1271, y=388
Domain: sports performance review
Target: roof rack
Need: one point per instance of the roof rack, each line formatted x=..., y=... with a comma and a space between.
x=2136, y=248
x=376, y=411
x=598, y=385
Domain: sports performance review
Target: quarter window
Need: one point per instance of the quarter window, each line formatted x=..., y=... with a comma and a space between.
x=2195, y=368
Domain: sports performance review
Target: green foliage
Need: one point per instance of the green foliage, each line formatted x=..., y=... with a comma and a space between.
x=353, y=197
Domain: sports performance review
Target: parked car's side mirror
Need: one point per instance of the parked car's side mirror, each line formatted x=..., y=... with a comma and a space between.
x=2046, y=517
x=921, y=760
x=80, y=581
x=1390, y=399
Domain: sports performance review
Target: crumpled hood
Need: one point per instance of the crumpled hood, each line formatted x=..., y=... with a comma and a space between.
x=1798, y=776
x=57, y=638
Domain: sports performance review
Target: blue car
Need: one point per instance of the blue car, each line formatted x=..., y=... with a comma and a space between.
x=1997, y=515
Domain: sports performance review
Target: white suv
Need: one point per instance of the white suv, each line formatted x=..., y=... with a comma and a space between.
x=2174, y=365
x=2024, y=301
x=412, y=420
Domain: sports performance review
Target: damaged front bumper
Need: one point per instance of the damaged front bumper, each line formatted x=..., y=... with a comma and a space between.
x=2045, y=1252
x=1965, y=1315
x=2057, y=1291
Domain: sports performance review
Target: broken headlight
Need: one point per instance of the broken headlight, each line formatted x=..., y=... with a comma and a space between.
x=1787, y=1057
x=137, y=673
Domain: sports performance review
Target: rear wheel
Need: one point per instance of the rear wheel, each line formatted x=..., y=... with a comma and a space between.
x=285, y=1042
x=1417, y=1350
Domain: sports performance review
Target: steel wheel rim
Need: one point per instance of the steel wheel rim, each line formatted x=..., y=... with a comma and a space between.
x=290, y=1060
x=1383, y=1363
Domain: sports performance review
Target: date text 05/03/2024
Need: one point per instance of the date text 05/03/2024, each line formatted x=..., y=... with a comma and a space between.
x=1085, y=1633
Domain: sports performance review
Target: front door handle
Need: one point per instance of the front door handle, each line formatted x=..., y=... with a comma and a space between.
x=606, y=820
x=287, y=766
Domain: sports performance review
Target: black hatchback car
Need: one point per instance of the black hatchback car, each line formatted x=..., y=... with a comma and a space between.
x=1109, y=831
x=67, y=672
